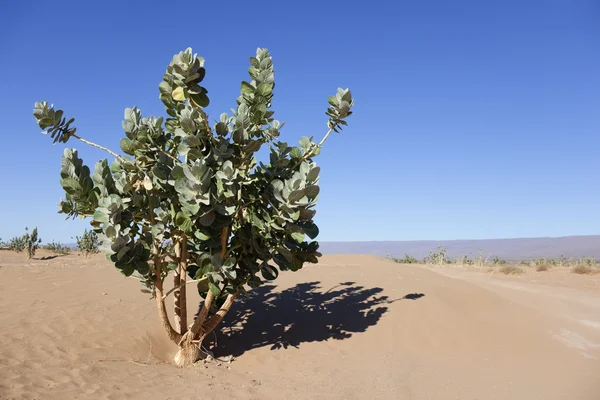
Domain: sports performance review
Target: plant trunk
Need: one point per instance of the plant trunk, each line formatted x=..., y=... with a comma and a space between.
x=160, y=301
x=162, y=313
x=190, y=345
x=190, y=348
x=183, y=325
x=179, y=283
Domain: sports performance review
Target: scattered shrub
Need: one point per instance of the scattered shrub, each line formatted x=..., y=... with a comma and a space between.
x=406, y=260
x=436, y=257
x=31, y=242
x=498, y=261
x=510, y=270
x=583, y=269
x=58, y=248
x=16, y=244
x=28, y=243
x=88, y=243
x=542, y=267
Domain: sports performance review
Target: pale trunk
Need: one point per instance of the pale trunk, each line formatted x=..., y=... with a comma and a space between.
x=191, y=342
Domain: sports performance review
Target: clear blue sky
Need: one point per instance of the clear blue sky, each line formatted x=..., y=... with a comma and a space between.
x=473, y=119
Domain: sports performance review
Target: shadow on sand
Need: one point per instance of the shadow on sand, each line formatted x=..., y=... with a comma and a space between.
x=51, y=257
x=303, y=313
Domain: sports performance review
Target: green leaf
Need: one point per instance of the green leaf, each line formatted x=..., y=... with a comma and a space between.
x=208, y=218
x=305, y=143
x=183, y=221
x=265, y=89
x=296, y=153
x=268, y=271
x=298, y=237
x=311, y=229
x=200, y=99
x=127, y=146
x=247, y=88
x=201, y=236
x=311, y=191
x=214, y=289
x=71, y=185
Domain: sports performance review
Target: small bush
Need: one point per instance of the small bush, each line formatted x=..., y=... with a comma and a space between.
x=542, y=267
x=28, y=242
x=88, y=243
x=57, y=247
x=510, y=270
x=436, y=257
x=16, y=244
x=583, y=269
x=406, y=260
x=498, y=261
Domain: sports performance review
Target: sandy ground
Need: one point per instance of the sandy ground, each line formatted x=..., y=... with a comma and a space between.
x=351, y=327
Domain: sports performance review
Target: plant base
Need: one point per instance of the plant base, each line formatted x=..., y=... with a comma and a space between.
x=187, y=355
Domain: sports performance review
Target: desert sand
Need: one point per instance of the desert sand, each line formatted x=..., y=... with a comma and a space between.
x=350, y=327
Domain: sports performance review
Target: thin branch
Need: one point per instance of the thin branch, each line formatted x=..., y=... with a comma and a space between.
x=326, y=136
x=99, y=147
x=187, y=283
x=224, y=237
x=170, y=156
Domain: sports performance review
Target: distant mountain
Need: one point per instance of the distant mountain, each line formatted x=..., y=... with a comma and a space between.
x=507, y=249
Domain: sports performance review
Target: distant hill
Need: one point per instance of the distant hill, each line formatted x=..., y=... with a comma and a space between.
x=508, y=249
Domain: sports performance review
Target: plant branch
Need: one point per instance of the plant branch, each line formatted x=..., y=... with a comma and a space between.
x=197, y=325
x=99, y=147
x=216, y=319
x=326, y=136
x=187, y=283
x=160, y=301
x=182, y=287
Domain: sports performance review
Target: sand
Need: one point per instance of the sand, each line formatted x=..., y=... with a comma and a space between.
x=351, y=327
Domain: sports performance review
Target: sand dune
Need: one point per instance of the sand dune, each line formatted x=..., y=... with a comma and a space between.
x=351, y=327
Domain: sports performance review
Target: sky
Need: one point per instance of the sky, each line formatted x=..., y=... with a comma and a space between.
x=472, y=119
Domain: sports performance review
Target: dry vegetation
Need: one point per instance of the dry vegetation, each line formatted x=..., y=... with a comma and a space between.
x=510, y=270
x=578, y=265
x=585, y=270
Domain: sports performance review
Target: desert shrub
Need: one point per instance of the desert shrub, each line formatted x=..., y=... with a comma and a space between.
x=436, y=257
x=498, y=261
x=480, y=261
x=88, y=243
x=583, y=269
x=587, y=261
x=28, y=242
x=16, y=244
x=405, y=260
x=31, y=242
x=192, y=200
x=57, y=247
x=542, y=267
x=510, y=270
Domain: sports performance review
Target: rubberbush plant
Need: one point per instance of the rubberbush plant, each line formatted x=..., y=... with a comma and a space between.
x=88, y=243
x=31, y=242
x=191, y=199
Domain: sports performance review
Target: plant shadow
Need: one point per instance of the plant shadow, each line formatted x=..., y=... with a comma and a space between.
x=300, y=314
x=52, y=257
